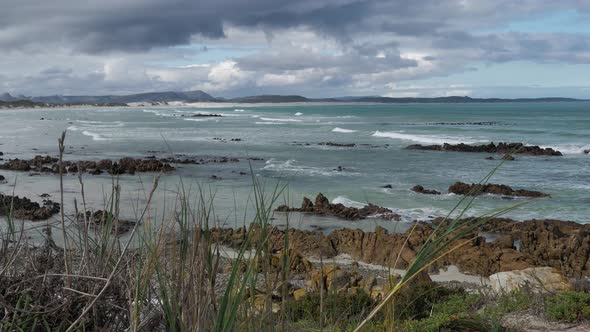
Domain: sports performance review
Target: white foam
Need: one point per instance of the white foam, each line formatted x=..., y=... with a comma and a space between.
x=271, y=123
x=424, y=139
x=280, y=120
x=197, y=119
x=421, y=214
x=239, y=110
x=569, y=148
x=342, y=130
x=160, y=113
x=298, y=114
x=291, y=167
x=347, y=202
x=95, y=136
x=101, y=124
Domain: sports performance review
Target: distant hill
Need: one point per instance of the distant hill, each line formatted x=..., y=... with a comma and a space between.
x=200, y=96
x=454, y=99
x=387, y=100
x=270, y=99
x=150, y=97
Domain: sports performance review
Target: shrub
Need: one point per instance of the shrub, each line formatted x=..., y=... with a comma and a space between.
x=338, y=308
x=569, y=306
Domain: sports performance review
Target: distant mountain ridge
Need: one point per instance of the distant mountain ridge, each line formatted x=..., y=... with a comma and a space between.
x=148, y=97
x=200, y=96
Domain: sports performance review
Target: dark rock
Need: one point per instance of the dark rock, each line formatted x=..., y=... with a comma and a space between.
x=420, y=189
x=24, y=208
x=387, y=186
x=585, y=151
x=16, y=165
x=490, y=158
x=215, y=177
x=473, y=189
x=322, y=206
x=100, y=219
x=44, y=195
x=560, y=244
x=341, y=145
x=504, y=148
x=508, y=157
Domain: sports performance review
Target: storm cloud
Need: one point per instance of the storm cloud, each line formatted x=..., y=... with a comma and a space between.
x=234, y=47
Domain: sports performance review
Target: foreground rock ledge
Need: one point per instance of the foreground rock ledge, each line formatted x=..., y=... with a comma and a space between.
x=505, y=148
x=518, y=245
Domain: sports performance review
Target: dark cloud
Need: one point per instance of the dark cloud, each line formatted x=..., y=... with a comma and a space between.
x=135, y=25
x=129, y=46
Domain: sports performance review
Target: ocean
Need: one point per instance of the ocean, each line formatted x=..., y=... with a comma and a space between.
x=286, y=137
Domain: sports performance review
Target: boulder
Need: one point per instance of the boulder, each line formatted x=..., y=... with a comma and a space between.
x=537, y=279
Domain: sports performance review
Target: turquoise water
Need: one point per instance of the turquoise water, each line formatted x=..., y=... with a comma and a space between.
x=269, y=132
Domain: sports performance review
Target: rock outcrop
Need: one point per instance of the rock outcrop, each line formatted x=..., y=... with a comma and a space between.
x=504, y=148
x=48, y=164
x=474, y=189
x=24, y=208
x=420, y=189
x=322, y=206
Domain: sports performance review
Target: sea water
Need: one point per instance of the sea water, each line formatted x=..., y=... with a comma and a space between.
x=286, y=137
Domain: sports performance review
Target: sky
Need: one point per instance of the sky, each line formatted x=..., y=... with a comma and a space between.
x=315, y=48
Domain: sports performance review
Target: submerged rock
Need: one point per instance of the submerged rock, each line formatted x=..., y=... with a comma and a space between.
x=474, y=189
x=505, y=148
x=322, y=206
x=419, y=189
x=101, y=218
x=24, y=208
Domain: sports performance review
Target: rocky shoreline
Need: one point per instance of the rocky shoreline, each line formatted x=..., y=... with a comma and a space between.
x=499, y=245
